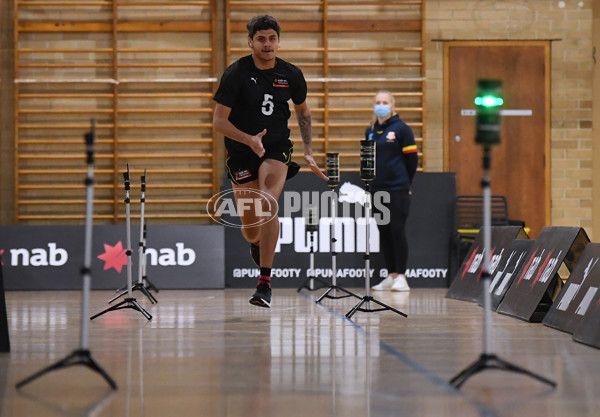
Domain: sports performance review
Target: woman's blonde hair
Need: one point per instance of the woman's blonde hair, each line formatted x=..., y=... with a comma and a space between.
x=389, y=94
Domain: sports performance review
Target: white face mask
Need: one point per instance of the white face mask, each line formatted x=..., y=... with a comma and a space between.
x=382, y=110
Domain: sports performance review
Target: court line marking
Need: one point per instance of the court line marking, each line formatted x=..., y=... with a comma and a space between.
x=427, y=374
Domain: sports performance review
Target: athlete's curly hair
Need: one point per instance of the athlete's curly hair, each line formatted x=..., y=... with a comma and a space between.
x=263, y=22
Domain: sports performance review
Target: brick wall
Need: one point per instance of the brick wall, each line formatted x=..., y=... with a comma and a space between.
x=571, y=84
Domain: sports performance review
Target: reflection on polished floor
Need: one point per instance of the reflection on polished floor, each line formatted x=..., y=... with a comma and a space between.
x=211, y=353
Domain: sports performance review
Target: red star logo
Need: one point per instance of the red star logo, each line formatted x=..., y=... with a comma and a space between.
x=1, y=252
x=114, y=256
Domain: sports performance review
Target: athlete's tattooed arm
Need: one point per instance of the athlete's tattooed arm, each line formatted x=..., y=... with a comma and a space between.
x=304, y=121
x=305, y=128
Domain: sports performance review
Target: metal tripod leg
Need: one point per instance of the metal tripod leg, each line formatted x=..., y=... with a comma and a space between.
x=139, y=287
x=149, y=285
x=367, y=299
x=77, y=357
x=336, y=297
x=126, y=303
x=491, y=361
x=309, y=284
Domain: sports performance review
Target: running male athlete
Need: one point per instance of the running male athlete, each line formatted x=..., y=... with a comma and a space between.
x=252, y=112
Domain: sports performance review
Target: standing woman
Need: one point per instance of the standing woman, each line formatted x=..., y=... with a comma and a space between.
x=396, y=164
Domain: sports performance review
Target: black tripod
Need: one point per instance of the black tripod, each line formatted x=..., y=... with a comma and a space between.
x=488, y=360
x=367, y=298
x=128, y=302
x=311, y=227
x=488, y=133
x=147, y=283
x=82, y=356
x=140, y=286
x=333, y=173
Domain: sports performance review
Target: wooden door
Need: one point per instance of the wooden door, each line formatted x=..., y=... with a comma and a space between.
x=520, y=167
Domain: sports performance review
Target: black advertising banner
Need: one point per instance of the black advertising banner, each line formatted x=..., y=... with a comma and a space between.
x=429, y=228
x=466, y=285
x=578, y=292
x=588, y=329
x=506, y=272
x=530, y=296
x=51, y=257
x=4, y=339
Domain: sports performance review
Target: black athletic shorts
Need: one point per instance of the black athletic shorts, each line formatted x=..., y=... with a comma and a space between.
x=242, y=166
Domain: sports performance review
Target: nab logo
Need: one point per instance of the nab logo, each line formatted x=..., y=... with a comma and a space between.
x=53, y=256
x=180, y=256
x=116, y=256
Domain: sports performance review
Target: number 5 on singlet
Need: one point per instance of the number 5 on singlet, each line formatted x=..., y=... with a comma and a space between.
x=268, y=105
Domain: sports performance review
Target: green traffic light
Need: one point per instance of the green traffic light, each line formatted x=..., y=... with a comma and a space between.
x=489, y=101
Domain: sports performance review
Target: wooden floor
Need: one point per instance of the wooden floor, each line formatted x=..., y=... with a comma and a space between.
x=211, y=353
